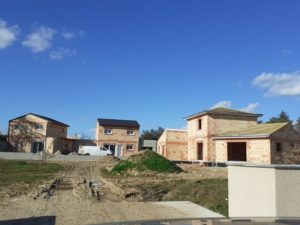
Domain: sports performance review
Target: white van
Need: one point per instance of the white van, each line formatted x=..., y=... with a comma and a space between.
x=93, y=150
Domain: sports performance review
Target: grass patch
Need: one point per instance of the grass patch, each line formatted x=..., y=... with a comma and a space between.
x=146, y=161
x=210, y=193
x=12, y=171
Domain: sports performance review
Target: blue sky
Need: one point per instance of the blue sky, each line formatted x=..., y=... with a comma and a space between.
x=154, y=61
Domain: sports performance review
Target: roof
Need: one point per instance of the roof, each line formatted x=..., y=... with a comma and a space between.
x=223, y=111
x=43, y=117
x=264, y=130
x=118, y=123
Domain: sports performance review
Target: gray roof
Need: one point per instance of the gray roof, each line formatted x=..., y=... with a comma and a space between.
x=118, y=123
x=223, y=111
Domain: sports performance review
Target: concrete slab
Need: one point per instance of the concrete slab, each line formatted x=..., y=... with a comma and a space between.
x=190, y=210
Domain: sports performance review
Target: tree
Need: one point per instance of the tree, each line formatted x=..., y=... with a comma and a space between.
x=282, y=118
x=152, y=134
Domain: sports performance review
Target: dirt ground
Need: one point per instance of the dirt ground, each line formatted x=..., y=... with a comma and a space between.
x=71, y=202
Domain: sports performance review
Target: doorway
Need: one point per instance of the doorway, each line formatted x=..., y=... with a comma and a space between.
x=237, y=151
x=37, y=147
x=200, y=151
x=118, y=151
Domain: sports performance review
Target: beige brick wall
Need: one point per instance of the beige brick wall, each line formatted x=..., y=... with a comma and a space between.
x=161, y=143
x=290, y=142
x=118, y=136
x=258, y=150
x=173, y=145
x=54, y=130
x=212, y=125
x=218, y=124
x=196, y=136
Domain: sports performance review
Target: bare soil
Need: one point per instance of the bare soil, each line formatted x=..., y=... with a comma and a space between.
x=69, y=198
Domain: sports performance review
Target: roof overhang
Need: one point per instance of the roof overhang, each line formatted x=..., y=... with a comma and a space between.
x=260, y=136
x=221, y=114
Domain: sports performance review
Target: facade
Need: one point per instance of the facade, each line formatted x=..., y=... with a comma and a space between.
x=173, y=145
x=204, y=126
x=270, y=143
x=35, y=133
x=119, y=136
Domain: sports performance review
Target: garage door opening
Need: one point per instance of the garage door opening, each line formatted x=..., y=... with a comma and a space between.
x=237, y=151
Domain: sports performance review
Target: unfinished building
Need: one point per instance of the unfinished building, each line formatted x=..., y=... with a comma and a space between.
x=172, y=144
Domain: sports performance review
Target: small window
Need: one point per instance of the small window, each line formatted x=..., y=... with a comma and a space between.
x=17, y=126
x=62, y=130
x=199, y=124
x=129, y=147
x=278, y=147
x=108, y=131
x=39, y=127
x=130, y=132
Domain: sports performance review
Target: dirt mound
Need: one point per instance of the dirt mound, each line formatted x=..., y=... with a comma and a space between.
x=146, y=161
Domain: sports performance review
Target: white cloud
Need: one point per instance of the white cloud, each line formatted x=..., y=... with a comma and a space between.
x=250, y=108
x=68, y=35
x=61, y=53
x=280, y=84
x=39, y=40
x=7, y=34
x=225, y=104
x=72, y=34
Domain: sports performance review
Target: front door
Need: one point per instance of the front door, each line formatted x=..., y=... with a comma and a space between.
x=37, y=147
x=118, y=152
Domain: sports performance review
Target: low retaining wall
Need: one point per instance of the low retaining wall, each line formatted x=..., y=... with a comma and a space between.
x=259, y=190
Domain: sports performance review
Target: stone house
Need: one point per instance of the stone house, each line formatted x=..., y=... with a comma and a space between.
x=35, y=133
x=172, y=144
x=120, y=136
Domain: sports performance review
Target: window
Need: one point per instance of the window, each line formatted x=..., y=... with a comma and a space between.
x=278, y=147
x=108, y=131
x=17, y=126
x=62, y=130
x=129, y=147
x=199, y=124
x=130, y=132
x=39, y=127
